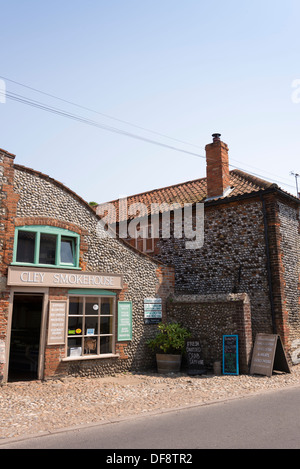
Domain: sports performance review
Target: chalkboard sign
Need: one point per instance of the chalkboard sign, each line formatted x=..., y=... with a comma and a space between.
x=230, y=355
x=268, y=355
x=195, y=361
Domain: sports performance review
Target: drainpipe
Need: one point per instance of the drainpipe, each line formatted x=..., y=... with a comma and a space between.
x=268, y=264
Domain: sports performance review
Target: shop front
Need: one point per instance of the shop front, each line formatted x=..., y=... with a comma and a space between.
x=62, y=314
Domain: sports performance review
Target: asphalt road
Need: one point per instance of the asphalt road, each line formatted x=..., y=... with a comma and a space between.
x=266, y=421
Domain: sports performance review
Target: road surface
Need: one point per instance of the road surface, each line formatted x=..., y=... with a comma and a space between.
x=266, y=421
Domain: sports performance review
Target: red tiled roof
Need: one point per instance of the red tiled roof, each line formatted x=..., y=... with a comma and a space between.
x=188, y=192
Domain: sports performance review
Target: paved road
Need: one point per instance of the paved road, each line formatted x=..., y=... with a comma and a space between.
x=269, y=420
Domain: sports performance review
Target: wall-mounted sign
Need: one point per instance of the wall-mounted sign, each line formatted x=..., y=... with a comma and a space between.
x=152, y=310
x=268, y=354
x=124, y=320
x=230, y=355
x=57, y=322
x=37, y=277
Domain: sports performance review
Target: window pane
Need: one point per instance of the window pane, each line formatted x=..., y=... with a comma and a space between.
x=106, y=344
x=75, y=325
x=106, y=305
x=106, y=325
x=75, y=305
x=74, y=347
x=25, y=248
x=90, y=346
x=91, y=306
x=91, y=325
x=47, y=249
x=67, y=251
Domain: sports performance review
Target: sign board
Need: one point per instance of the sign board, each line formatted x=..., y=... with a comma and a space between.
x=38, y=277
x=268, y=355
x=57, y=322
x=152, y=310
x=195, y=361
x=124, y=320
x=230, y=354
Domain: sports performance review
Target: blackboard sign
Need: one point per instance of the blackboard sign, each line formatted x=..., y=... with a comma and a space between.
x=195, y=361
x=268, y=355
x=230, y=355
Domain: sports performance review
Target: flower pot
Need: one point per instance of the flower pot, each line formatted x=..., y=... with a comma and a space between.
x=168, y=363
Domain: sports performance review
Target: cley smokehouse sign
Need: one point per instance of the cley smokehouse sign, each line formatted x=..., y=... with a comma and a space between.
x=20, y=276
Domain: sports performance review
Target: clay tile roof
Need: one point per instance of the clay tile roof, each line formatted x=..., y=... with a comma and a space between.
x=195, y=191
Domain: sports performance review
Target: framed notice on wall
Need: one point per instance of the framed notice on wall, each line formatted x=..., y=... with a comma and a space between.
x=57, y=322
x=124, y=320
x=152, y=310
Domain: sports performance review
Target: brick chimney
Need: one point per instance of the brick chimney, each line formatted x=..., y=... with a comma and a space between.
x=217, y=168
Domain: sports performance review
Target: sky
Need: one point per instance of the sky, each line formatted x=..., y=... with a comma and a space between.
x=136, y=88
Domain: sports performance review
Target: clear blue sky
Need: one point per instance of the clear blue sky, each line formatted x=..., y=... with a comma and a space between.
x=185, y=69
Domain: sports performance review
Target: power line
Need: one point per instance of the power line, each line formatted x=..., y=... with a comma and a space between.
x=100, y=113
x=78, y=118
x=44, y=107
x=129, y=123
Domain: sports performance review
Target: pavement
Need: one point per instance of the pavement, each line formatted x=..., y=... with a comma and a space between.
x=35, y=408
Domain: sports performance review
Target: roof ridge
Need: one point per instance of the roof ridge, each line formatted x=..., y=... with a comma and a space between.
x=241, y=174
x=253, y=179
x=158, y=189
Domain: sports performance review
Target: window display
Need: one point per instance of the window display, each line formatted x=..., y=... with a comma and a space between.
x=90, y=325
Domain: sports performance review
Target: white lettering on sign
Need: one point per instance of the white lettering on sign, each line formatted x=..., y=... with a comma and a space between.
x=32, y=277
x=64, y=278
x=77, y=279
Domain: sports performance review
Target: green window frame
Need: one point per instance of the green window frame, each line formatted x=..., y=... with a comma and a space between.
x=91, y=324
x=39, y=235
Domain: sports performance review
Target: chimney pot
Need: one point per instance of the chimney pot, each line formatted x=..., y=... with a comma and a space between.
x=216, y=137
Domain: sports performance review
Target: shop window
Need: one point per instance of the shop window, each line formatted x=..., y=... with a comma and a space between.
x=46, y=246
x=90, y=326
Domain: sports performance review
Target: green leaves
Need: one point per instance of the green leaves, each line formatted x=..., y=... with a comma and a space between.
x=170, y=339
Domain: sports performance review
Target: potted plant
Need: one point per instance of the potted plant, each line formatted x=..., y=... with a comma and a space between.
x=169, y=345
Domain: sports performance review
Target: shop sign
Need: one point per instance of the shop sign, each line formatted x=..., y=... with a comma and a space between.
x=38, y=277
x=152, y=310
x=57, y=322
x=124, y=320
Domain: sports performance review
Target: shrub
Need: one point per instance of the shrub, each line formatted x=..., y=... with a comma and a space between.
x=170, y=339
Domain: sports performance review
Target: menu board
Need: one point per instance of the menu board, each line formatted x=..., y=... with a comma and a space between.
x=195, y=360
x=57, y=322
x=268, y=354
x=230, y=355
x=124, y=320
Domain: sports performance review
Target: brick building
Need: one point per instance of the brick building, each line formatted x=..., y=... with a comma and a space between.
x=71, y=300
x=245, y=277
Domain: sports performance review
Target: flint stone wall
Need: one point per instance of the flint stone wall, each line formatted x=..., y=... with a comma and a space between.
x=41, y=197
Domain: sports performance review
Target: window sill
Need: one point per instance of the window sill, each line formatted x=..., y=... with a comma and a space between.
x=51, y=266
x=90, y=357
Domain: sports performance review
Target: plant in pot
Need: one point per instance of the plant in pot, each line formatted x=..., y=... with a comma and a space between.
x=169, y=345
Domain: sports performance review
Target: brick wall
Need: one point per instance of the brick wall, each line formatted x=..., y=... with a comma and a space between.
x=209, y=317
x=8, y=206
